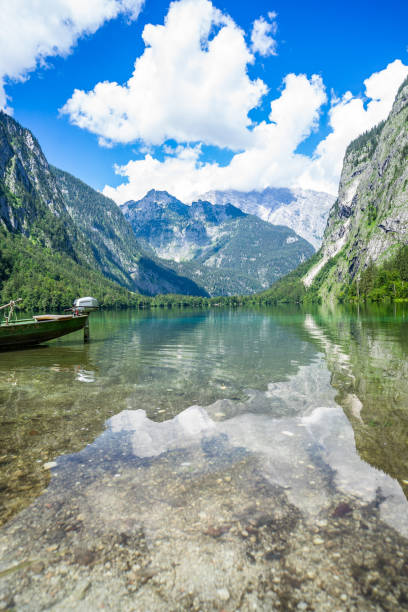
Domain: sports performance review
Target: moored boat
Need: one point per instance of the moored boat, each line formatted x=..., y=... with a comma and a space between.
x=16, y=333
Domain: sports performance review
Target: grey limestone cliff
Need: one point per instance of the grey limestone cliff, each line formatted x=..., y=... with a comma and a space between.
x=369, y=220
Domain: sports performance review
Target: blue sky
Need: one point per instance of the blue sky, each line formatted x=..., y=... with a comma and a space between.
x=342, y=43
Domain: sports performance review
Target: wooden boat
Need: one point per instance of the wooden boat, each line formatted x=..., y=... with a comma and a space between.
x=40, y=328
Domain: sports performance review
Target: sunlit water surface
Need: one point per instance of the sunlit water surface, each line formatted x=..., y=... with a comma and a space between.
x=248, y=459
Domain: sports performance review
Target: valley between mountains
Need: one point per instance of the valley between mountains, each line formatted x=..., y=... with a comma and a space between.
x=61, y=238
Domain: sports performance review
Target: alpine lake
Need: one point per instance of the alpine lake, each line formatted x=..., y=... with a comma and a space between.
x=246, y=459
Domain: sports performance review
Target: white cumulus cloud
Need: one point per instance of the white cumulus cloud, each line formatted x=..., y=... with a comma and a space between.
x=262, y=35
x=271, y=159
x=349, y=117
x=34, y=30
x=190, y=84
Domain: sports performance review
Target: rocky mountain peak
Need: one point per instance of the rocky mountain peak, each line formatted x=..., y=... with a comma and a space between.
x=213, y=213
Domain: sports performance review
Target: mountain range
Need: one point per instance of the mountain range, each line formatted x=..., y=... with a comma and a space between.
x=219, y=247
x=60, y=238
x=116, y=251
x=303, y=210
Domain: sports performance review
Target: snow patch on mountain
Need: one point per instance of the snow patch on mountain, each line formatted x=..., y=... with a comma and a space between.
x=303, y=210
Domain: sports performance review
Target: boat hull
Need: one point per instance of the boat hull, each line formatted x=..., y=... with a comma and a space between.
x=28, y=333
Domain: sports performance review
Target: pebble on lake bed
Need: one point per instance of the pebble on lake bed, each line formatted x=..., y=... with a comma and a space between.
x=223, y=594
x=50, y=465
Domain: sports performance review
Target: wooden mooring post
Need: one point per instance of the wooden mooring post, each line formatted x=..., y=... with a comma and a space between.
x=86, y=330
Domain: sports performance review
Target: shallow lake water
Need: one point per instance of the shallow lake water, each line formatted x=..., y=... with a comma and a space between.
x=208, y=460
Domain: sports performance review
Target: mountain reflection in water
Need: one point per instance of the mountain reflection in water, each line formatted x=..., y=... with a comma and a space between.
x=368, y=359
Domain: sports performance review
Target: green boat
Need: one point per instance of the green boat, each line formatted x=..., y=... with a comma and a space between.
x=15, y=333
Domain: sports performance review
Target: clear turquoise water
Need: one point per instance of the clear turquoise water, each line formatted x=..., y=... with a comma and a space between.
x=304, y=414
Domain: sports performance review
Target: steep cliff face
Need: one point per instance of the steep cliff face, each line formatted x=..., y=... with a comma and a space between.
x=369, y=220
x=30, y=201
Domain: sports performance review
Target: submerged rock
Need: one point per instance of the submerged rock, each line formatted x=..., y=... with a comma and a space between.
x=341, y=510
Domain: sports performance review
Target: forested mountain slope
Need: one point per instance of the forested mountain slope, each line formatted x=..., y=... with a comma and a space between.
x=54, y=214
x=118, y=253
